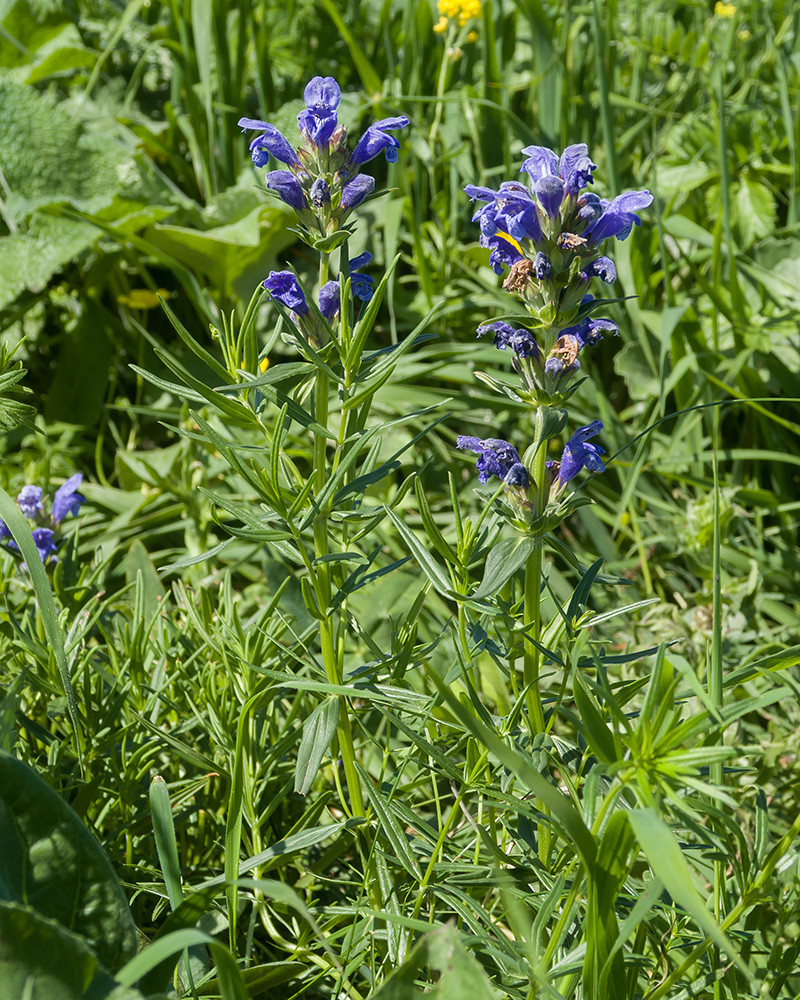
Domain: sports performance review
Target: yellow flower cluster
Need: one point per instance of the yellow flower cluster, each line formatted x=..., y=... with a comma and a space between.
x=464, y=10
x=142, y=298
x=723, y=9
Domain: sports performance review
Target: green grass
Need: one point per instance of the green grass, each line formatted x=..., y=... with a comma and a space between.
x=353, y=804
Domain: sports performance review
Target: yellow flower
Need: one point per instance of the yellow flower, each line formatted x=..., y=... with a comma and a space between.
x=263, y=364
x=464, y=10
x=724, y=9
x=440, y=25
x=472, y=36
x=744, y=35
x=142, y=298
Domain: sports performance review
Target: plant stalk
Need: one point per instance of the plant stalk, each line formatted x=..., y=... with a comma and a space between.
x=532, y=657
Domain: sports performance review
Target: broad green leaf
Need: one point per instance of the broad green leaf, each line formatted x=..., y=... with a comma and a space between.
x=47, y=156
x=40, y=960
x=50, y=861
x=460, y=976
x=235, y=256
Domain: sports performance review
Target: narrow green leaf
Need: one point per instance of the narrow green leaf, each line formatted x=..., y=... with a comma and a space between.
x=21, y=533
x=390, y=826
x=166, y=844
x=669, y=864
x=318, y=732
x=502, y=563
x=427, y=563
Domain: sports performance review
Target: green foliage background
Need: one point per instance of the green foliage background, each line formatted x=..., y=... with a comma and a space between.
x=178, y=641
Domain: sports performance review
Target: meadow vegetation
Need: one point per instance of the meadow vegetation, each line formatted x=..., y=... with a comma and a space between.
x=291, y=705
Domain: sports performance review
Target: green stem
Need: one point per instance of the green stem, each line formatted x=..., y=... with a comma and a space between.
x=532, y=657
x=330, y=656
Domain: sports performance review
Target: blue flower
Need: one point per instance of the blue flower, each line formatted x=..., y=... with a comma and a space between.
x=287, y=187
x=67, y=500
x=618, y=217
x=377, y=139
x=577, y=455
x=504, y=253
x=497, y=458
x=45, y=543
x=360, y=287
x=356, y=190
x=511, y=209
x=30, y=501
x=574, y=169
x=283, y=287
x=318, y=121
x=589, y=330
x=550, y=193
x=603, y=268
x=270, y=141
x=521, y=341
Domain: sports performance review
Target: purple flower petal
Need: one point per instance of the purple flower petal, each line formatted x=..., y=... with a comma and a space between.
x=602, y=268
x=329, y=300
x=377, y=139
x=283, y=287
x=550, y=194
x=287, y=187
x=619, y=216
x=45, y=543
x=356, y=190
x=542, y=268
x=30, y=501
x=318, y=121
x=67, y=500
x=578, y=454
x=271, y=141
x=322, y=94
x=541, y=162
x=576, y=168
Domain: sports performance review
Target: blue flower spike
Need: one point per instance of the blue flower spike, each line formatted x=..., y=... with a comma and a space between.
x=546, y=235
x=323, y=183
